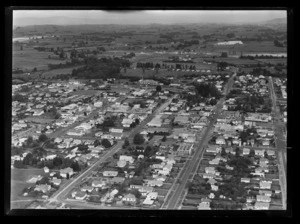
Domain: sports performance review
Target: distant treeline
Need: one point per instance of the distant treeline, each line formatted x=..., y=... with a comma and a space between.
x=260, y=57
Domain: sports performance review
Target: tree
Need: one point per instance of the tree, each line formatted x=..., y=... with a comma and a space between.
x=138, y=139
x=230, y=35
x=126, y=142
x=28, y=159
x=75, y=166
x=34, y=69
x=43, y=138
x=106, y=143
x=44, y=180
x=96, y=143
x=19, y=164
x=164, y=139
x=223, y=152
x=148, y=150
x=29, y=140
x=57, y=161
x=158, y=88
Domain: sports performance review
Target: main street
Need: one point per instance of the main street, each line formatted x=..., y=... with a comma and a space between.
x=279, y=141
x=61, y=193
x=190, y=167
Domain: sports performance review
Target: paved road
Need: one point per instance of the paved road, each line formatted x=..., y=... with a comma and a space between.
x=192, y=165
x=61, y=193
x=280, y=142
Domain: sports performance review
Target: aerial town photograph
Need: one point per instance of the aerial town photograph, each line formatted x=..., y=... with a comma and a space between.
x=148, y=110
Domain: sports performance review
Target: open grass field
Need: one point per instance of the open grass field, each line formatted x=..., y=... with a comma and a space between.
x=30, y=58
x=19, y=179
x=237, y=61
x=60, y=71
x=249, y=47
x=273, y=61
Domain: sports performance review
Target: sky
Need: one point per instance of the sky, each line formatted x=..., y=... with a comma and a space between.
x=73, y=17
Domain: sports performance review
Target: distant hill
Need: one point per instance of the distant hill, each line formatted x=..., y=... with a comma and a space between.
x=278, y=21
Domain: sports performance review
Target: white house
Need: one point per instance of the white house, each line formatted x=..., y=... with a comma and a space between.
x=261, y=206
x=110, y=173
x=65, y=172
x=129, y=159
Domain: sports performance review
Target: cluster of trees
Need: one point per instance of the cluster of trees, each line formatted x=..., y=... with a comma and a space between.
x=221, y=66
x=138, y=139
x=19, y=98
x=278, y=44
x=147, y=65
x=259, y=57
x=198, y=186
x=180, y=66
x=230, y=35
x=100, y=68
x=248, y=134
x=207, y=90
x=186, y=44
x=107, y=123
x=254, y=103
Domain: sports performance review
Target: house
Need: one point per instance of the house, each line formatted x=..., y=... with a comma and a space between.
x=129, y=198
x=211, y=181
x=210, y=170
x=246, y=151
x=214, y=187
x=155, y=122
x=161, y=178
x=213, y=149
x=129, y=159
x=117, y=180
x=43, y=188
x=56, y=182
x=263, y=198
x=230, y=150
x=46, y=169
x=270, y=152
x=148, y=201
x=185, y=149
x=259, y=152
x=265, y=192
x=245, y=180
x=67, y=172
x=98, y=104
x=214, y=161
x=110, y=173
x=261, y=206
x=99, y=183
x=152, y=195
x=265, y=185
x=121, y=163
x=80, y=195
x=116, y=130
x=153, y=183
x=87, y=188
x=204, y=204
x=208, y=175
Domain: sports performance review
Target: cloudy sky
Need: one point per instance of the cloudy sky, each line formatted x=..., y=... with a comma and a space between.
x=72, y=17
